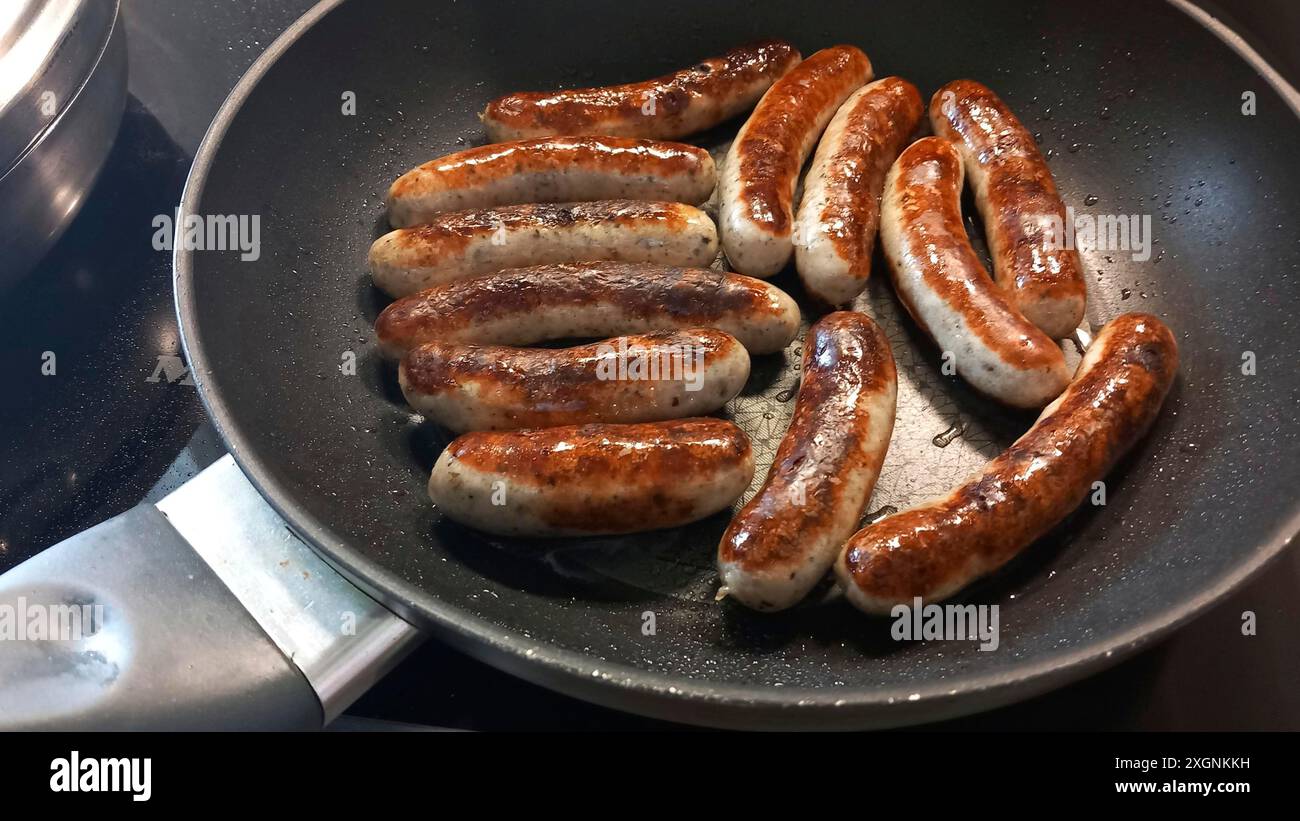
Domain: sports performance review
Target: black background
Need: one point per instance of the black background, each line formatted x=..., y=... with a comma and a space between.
x=285, y=770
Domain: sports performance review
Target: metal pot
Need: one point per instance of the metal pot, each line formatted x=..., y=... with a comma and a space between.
x=62, y=92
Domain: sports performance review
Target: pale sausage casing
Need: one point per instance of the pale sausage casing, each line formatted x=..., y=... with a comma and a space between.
x=463, y=244
x=1023, y=215
x=782, y=542
x=835, y=229
x=665, y=108
x=663, y=375
x=941, y=282
x=592, y=300
x=934, y=550
x=590, y=480
x=756, y=192
x=552, y=169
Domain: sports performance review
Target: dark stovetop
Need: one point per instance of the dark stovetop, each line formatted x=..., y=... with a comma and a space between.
x=105, y=432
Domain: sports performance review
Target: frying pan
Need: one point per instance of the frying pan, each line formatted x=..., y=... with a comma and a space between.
x=1139, y=110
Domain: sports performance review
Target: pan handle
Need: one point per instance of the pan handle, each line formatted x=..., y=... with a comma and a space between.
x=204, y=612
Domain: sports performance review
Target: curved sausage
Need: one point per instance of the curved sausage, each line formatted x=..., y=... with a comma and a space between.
x=665, y=108
x=664, y=375
x=553, y=169
x=463, y=244
x=756, y=193
x=589, y=480
x=941, y=282
x=835, y=230
x=1018, y=202
x=934, y=550
x=595, y=300
x=785, y=539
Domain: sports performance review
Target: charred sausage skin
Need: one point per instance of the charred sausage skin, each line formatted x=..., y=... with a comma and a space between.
x=1018, y=203
x=650, y=377
x=936, y=549
x=463, y=244
x=590, y=480
x=756, y=192
x=835, y=229
x=784, y=540
x=665, y=108
x=940, y=280
x=552, y=169
x=595, y=300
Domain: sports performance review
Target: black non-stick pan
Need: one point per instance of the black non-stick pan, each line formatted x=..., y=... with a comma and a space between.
x=1140, y=110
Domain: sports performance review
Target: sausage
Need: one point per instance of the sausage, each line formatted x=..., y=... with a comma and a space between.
x=463, y=244
x=665, y=108
x=785, y=539
x=934, y=550
x=755, y=196
x=552, y=169
x=595, y=300
x=663, y=375
x=590, y=480
x=1018, y=202
x=941, y=282
x=835, y=230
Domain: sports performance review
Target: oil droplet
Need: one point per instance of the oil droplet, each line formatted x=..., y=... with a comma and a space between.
x=1091, y=199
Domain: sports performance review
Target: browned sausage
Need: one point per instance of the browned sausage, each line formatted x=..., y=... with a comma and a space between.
x=785, y=539
x=940, y=280
x=1018, y=203
x=552, y=169
x=756, y=191
x=665, y=108
x=934, y=550
x=463, y=244
x=647, y=378
x=835, y=230
x=596, y=300
x=588, y=480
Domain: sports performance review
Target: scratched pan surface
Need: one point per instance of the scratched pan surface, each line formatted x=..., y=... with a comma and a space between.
x=1138, y=108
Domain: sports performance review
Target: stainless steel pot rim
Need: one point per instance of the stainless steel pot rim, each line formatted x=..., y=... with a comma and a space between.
x=611, y=684
x=23, y=123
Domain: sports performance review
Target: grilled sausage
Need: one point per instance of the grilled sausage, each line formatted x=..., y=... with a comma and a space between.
x=523, y=306
x=835, y=230
x=941, y=282
x=589, y=480
x=934, y=550
x=1018, y=202
x=553, y=169
x=463, y=244
x=755, y=196
x=665, y=108
x=785, y=539
x=664, y=375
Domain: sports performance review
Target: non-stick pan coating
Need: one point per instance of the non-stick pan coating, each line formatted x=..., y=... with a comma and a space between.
x=1139, y=110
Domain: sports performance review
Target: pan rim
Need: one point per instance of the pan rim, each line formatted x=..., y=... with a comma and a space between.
x=622, y=686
